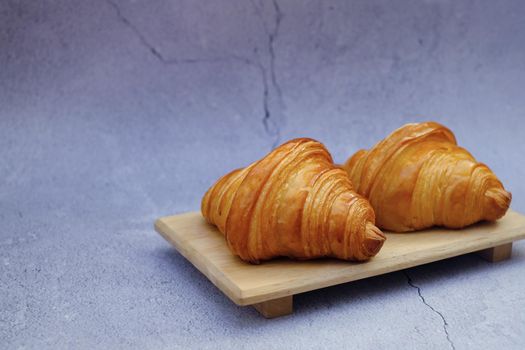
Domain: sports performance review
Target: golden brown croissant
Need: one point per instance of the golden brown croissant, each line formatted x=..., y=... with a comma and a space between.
x=418, y=177
x=293, y=202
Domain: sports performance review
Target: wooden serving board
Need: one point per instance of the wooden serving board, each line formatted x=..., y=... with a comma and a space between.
x=270, y=286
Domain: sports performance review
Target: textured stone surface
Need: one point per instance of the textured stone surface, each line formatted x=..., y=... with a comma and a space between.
x=113, y=113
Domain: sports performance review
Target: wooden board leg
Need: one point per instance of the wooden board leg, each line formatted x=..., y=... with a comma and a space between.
x=495, y=254
x=276, y=307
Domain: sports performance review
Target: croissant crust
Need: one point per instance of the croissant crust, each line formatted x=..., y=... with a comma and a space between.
x=419, y=177
x=293, y=202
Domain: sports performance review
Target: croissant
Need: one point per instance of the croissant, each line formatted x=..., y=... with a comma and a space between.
x=294, y=202
x=419, y=177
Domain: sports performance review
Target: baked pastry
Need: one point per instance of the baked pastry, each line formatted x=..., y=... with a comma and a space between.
x=294, y=202
x=419, y=177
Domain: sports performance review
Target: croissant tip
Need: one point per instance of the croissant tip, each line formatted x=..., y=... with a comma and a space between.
x=497, y=201
x=374, y=239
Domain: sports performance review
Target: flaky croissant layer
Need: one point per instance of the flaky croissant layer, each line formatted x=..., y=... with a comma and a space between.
x=419, y=177
x=293, y=202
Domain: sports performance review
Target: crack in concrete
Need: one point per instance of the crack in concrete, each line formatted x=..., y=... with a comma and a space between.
x=135, y=31
x=266, y=107
x=445, y=323
x=272, y=36
x=271, y=125
x=151, y=48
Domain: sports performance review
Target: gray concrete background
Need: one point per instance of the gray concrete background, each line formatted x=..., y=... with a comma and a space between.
x=113, y=113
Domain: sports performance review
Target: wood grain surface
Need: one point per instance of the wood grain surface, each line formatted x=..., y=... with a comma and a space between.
x=245, y=284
